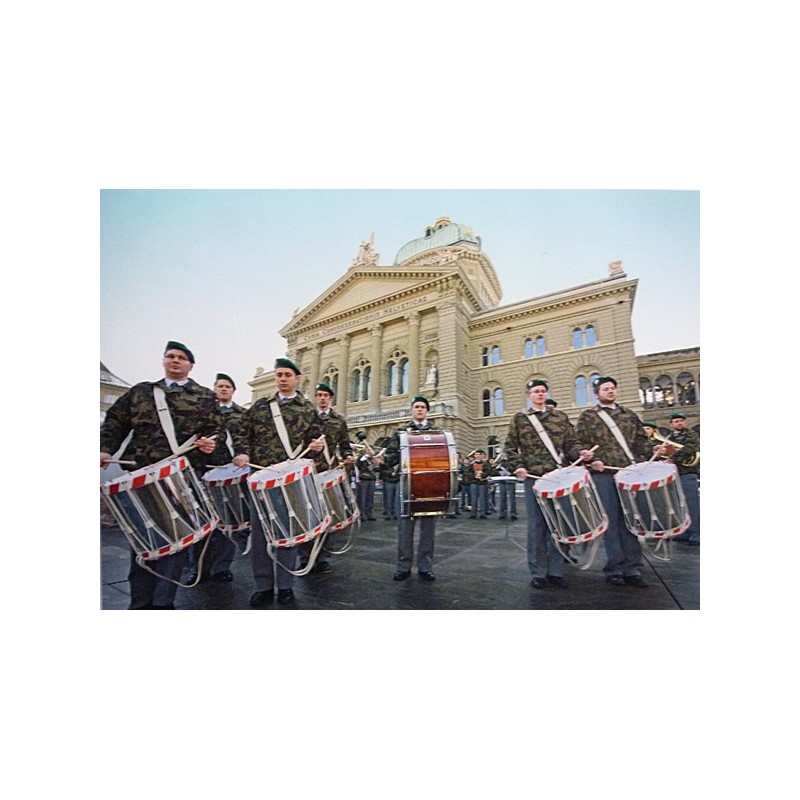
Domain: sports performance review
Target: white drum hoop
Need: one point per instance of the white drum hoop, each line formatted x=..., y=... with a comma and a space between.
x=571, y=506
x=652, y=500
x=289, y=503
x=339, y=497
x=161, y=509
x=227, y=491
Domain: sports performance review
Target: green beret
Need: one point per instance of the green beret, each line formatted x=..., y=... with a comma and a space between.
x=479, y=450
x=535, y=382
x=550, y=402
x=323, y=387
x=420, y=399
x=598, y=382
x=221, y=376
x=179, y=346
x=287, y=363
x=677, y=415
x=650, y=424
x=361, y=435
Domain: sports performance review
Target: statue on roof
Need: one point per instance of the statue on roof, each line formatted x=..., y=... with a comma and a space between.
x=366, y=253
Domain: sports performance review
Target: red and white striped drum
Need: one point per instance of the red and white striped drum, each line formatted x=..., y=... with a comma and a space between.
x=652, y=500
x=227, y=490
x=428, y=473
x=339, y=498
x=162, y=509
x=289, y=503
x=571, y=506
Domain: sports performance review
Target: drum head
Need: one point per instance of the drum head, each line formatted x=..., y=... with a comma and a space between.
x=647, y=475
x=561, y=482
x=281, y=474
x=229, y=473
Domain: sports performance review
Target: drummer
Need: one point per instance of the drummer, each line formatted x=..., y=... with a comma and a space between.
x=623, y=551
x=259, y=438
x=221, y=549
x=337, y=442
x=405, y=527
x=193, y=410
x=687, y=460
x=528, y=457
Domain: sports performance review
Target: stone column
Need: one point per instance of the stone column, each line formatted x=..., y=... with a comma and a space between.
x=343, y=390
x=314, y=371
x=413, y=353
x=376, y=367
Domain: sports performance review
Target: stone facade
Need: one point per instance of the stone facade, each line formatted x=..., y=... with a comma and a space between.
x=431, y=324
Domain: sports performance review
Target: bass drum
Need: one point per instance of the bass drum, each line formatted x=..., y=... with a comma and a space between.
x=428, y=473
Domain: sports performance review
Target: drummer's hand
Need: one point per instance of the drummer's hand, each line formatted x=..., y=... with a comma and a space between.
x=104, y=459
x=242, y=460
x=521, y=473
x=316, y=445
x=586, y=455
x=378, y=459
x=205, y=445
x=597, y=466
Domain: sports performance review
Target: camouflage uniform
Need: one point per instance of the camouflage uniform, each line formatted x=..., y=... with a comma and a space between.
x=623, y=552
x=690, y=480
x=390, y=478
x=405, y=525
x=194, y=410
x=365, y=484
x=258, y=437
x=479, y=473
x=525, y=448
x=221, y=549
x=337, y=437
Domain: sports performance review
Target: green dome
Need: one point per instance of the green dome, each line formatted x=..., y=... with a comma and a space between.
x=441, y=234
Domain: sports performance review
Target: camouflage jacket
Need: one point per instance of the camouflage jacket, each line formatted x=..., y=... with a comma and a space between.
x=367, y=471
x=591, y=430
x=232, y=419
x=392, y=455
x=690, y=442
x=258, y=437
x=525, y=448
x=337, y=437
x=193, y=409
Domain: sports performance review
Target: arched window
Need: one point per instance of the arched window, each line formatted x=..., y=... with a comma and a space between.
x=397, y=373
x=540, y=348
x=485, y=357
x=577, y=339
x=581, y=393
x=499, y=405
x=355, y=393
x=403, y=376
x=646, y=392
x=486, y=403
x=331, y=377
x=496, y=354
x=528, y=350
x=687, y=394
x=390, y=378
x=665, y=396
x=366, y=383
x=591, y=336
x=360, y=384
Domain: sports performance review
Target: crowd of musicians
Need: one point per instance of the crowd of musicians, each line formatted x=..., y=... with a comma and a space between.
x=154, y=421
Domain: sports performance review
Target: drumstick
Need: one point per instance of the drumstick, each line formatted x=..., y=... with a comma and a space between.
x=575, y=463
x=118, y=461
x=306, y=450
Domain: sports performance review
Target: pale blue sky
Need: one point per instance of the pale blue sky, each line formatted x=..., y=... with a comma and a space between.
x=222, y=271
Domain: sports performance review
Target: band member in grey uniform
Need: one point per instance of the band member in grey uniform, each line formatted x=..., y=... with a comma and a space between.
x=405, y=527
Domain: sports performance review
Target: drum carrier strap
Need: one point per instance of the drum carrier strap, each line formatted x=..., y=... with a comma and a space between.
x=166, y=421
x=280, y=427
x=613, y=427
x=545, y=437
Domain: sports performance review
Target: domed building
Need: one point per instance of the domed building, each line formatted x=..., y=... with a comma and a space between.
x=432, y=324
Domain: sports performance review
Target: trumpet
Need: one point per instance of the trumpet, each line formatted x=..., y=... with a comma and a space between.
x=694, y=461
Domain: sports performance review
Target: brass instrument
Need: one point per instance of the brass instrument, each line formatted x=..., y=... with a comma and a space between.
x=692, y=462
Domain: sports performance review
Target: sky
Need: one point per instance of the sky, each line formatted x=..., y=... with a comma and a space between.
x=222, y=271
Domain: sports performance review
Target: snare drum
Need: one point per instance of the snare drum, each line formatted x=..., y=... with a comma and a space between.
x=227, y=490
x=428, y=473
x=652, y=500
x=571, y=506
x=161, y=509
x=339, y=498
x=289, y=503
